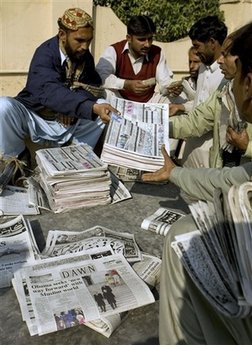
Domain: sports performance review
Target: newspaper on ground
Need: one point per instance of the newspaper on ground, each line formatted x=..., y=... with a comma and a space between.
x=148, y=269
x=217, y=255
x=161, y=220
x=92, y=277
x=77, y=288
x=60, y=242
x=126, y=174
x=134, y=139
x=17, y=247
x=15, y=200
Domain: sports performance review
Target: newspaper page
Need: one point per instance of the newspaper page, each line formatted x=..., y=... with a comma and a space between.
x=196, y=260
x=60, y=242
x=134, y=140
x=15, y=200
x=69, y=159
x=148, y=269
x=118, y=191
x=105, y=325
x=62, y=288
x=242, y=229
x=16, y=248
x=205, y=217
x=161, y=221
x=126, y=174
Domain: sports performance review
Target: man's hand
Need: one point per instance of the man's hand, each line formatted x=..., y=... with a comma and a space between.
x=175, y=109
x=66, y=120
x=239, y=139
x=136, y=86
x=162, y=174
x=175, y=88
x=103, y=110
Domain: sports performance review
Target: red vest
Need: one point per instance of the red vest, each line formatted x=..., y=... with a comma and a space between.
x=124, y=70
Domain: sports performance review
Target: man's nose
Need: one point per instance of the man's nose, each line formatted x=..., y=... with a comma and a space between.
x=147, y=43
x=84, y=46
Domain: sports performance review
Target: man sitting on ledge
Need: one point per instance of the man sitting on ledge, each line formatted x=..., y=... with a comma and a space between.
x=60, y=102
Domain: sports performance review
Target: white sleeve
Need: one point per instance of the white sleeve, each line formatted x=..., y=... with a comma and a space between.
x=163, y=74
x=106, y=68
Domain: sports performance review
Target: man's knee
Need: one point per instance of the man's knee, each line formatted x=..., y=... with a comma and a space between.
x=6, y=105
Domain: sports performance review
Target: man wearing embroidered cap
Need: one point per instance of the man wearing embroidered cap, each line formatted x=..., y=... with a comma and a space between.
x=61, y=100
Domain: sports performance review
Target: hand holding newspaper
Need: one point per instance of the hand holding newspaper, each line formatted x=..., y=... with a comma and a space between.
x=217, y=255
x=135, y=141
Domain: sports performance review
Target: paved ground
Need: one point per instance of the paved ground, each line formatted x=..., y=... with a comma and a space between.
x=141, y=326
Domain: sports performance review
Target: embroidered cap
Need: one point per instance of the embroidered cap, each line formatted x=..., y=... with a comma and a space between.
x=75, y=18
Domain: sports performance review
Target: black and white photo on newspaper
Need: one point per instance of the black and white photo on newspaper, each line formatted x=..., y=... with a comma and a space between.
x=161, y=220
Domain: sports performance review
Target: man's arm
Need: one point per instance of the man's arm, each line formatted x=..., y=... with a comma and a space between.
x=199, y=183
x=46, y=87
x=106, y=67
x=164, y=74
x=197, y=122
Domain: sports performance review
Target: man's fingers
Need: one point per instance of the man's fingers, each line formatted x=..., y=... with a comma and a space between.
x=149, y=177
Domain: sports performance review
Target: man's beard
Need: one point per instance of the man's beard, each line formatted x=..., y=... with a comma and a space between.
x=74, y=56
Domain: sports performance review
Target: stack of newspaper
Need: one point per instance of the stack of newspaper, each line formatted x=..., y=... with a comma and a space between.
x=91, y=277
x=134, y=139
x=217, y=255
x=73, y=177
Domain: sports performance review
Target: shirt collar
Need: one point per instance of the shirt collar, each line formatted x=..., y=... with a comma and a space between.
x=126, y=48
x=63, y=57
x=213, y=67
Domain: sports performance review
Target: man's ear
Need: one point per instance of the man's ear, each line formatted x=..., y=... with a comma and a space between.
x=128, y=38
x=213, y=41
x=62, y=34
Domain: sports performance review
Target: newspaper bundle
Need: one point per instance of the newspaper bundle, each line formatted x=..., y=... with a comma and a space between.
x=217, y=255
x=74, y=177
x=134, y=139
x=161, y=220
x=91, y=277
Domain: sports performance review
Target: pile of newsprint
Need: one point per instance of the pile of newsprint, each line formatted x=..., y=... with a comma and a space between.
x=218, y=256
x=74, y=177
x=66, y=178
x=91, y=277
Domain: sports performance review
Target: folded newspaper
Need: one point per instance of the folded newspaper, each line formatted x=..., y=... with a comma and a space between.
x=161, y=220
x=217, y=255
x=18, y=247
x=134, y=139
x=91, y=277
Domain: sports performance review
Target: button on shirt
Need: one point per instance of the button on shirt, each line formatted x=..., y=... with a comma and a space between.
x=106, y=68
